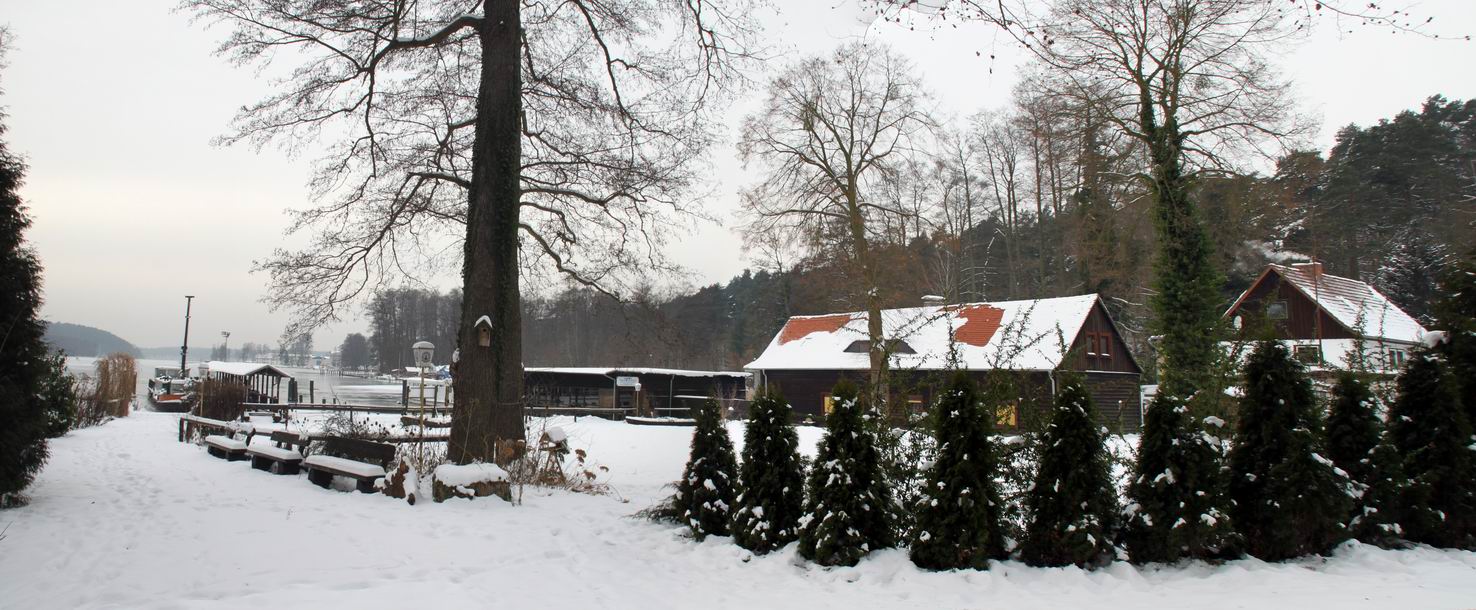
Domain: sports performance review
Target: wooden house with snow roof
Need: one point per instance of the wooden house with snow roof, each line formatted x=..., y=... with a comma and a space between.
x=1033, y=342
x=1323, y=318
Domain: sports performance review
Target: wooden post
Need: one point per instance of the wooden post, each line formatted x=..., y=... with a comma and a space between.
x=310, y=391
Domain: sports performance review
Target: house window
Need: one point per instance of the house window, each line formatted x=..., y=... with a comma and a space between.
x=1395, y=358
x=1104, y=345
x=1007, y=415
x=1276, y=310
x=1307, y=354
x=829, y=403
x=916, y=405
x=1091, y=344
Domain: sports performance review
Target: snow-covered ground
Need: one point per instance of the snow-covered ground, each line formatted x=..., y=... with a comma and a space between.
x=125, y=517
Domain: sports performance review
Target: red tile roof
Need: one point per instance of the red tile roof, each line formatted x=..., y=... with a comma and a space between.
x=799, y=328
x=980, y=324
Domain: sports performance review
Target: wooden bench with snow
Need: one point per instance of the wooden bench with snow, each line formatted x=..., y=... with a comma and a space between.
x=283, y=456
x=361, y=460
x=227, y=440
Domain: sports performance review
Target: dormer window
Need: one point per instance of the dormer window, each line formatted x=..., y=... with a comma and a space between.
x=863, y=346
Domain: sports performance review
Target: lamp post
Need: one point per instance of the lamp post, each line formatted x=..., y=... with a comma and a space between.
x=423, y=351
x=226, y=335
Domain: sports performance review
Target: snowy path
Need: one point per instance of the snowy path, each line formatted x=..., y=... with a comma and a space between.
x=124, y=517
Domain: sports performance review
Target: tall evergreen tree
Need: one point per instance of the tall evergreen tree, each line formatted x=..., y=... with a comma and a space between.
x=1072, y=508
x=1288, y=500
x=706, y=493
x=959, y=522
x=22, y=354
x=1432, y=434
x=1455, y=313
x=1177, y=493
x=1356, y=444
x=848, y=505
x=772, y=478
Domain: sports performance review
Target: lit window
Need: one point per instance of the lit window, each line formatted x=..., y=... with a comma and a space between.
x=1006, y=415
x=829, y=404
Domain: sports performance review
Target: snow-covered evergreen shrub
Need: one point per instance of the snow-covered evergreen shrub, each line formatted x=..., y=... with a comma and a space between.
x=1072, y=508
x=1455, y=313
x=706, y=493
x=1355, y=443
x=1288, y=499
x=958, y=522
x=847, y=505
x=1430, y=430
x=58, y=396
x=772, y=478
x=1177, y=504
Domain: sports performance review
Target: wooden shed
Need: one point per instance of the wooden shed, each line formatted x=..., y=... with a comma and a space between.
x=1031, y=343
x=263, y=382
x=628, y=391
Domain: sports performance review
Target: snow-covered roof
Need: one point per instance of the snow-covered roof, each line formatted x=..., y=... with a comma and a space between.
x=1023, y=335
x=1354, y=304
x=595, y=370
x=244, y=369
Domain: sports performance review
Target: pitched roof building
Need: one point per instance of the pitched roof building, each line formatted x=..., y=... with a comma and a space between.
x=1032, y=340
x=1325, y=317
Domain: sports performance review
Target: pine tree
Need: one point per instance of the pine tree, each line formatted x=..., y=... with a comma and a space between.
x=1288, y=500
x=847, y=508
x=1433, y=437
x=22, y=354
x=1356, y=444
x=772, y=478
x=1073, y=506
x=1455, y=313
x=705, y=495
x=1177, y=494
x=959, y=522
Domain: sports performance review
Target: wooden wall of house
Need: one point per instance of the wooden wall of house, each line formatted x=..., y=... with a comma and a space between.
x=1085, y=355
x=1114, y=394
x=1117, y=399
x=1302, y=313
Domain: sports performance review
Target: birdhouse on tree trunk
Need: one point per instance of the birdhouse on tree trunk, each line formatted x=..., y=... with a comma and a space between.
x=484, y=331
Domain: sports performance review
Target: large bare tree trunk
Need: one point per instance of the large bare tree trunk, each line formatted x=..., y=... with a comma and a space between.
x=489, y=380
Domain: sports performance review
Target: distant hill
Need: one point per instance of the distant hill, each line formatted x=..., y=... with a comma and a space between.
x=79, y=340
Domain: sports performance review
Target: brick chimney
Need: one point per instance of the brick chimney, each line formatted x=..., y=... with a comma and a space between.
x=1313, y=267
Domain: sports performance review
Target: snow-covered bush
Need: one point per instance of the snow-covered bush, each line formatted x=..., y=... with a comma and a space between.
x=771, y=477
x=1356, y=444
x=1288, y=500
x=1176, y=500
x=707, y=490
x=1430, y=430
x=848, y=504
x=1072, y=509
x=958, y=523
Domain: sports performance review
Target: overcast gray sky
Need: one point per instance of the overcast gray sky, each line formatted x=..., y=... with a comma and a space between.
x=134, y=207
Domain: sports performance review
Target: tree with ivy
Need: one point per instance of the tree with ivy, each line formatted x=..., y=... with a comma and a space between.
x=959, y=523
x=1287, y=499
x=1178, y=508
x=707, y=492
x=1432, y=434
x=848, y=505
x=1072, y=508
x=772, y=477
